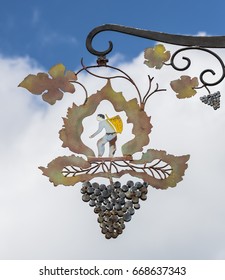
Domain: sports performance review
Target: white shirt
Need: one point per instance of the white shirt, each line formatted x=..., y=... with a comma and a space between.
x=106, y=125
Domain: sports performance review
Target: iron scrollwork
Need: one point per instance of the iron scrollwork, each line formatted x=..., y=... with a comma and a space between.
x=199, y=43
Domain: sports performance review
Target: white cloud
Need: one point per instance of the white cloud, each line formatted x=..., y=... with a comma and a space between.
x=39, y=221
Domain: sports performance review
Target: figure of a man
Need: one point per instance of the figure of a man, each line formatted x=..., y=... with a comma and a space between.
x=110, y=136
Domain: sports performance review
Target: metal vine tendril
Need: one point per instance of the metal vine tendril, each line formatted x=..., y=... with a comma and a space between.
x=203, y=81
x=123, y=75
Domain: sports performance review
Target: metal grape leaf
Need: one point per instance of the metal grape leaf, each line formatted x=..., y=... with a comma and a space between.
x=156, y=56
x=166, y=172
x=52, y=85
x=54, y=170
x=73, y=127
x=185, y=86
x=177, y=163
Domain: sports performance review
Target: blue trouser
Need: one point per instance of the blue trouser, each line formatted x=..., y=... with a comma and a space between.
x=111, y=138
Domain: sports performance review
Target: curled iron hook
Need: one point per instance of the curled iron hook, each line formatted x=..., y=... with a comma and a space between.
x=181, y=40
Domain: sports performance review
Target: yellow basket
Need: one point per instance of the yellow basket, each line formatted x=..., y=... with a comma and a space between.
x=116, y=122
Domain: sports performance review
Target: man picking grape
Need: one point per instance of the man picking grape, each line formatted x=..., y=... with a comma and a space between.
x=110, y=136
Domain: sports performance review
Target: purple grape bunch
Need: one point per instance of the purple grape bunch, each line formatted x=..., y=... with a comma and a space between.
x=115, y=204
x=212, y=99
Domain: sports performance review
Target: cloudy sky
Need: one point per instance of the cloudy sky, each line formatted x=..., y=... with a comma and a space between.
x=39, y=221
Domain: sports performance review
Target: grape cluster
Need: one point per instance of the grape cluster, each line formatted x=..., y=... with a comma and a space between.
x=212, y=100
x=114, y=204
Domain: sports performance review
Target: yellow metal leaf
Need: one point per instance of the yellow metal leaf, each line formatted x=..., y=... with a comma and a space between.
x=156, y=57
x=57, y=70
x=185, y=86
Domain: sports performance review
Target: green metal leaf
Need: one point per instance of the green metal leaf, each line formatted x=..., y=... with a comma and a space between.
x=185, y=86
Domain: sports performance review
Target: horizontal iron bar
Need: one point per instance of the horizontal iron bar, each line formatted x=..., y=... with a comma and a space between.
x=181, y=40
x=103, y=159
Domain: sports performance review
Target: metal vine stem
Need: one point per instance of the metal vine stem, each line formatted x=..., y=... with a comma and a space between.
x=191, y=42
x=162, y=171
x=122, y=75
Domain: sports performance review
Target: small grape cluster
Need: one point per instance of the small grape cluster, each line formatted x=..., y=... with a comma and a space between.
x=212, y=100
x=114, y=204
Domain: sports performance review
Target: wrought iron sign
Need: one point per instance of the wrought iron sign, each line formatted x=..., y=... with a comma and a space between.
x=116, y=201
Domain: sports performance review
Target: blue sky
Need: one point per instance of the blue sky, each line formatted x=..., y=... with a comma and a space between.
x=39, y=221
x=55, y=31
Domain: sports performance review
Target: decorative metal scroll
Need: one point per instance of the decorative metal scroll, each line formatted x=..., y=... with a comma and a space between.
x=199, y=43
x=116, y=201
x=179, y=40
